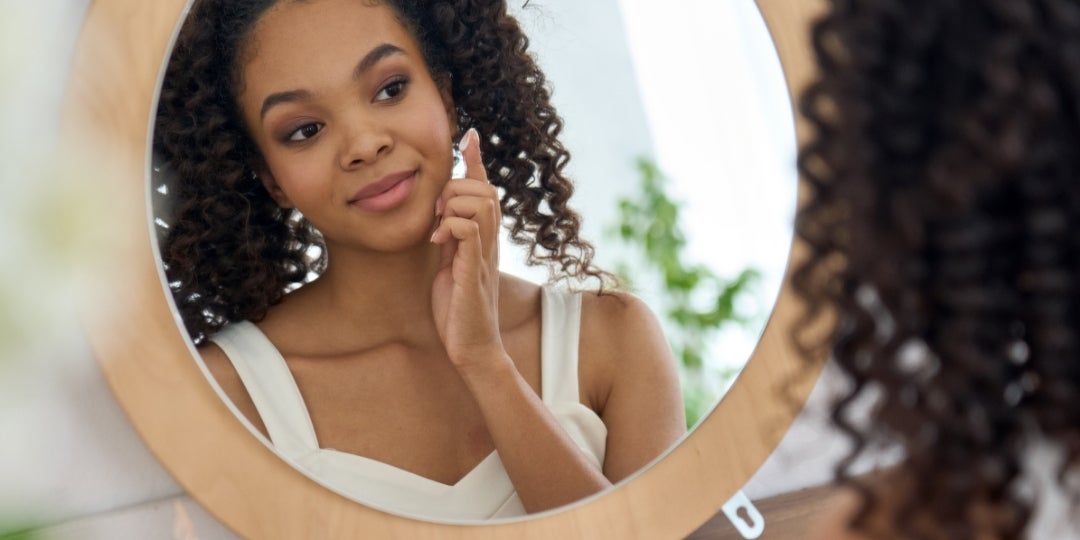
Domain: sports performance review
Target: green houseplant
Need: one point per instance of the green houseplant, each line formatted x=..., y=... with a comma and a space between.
x=695, y=302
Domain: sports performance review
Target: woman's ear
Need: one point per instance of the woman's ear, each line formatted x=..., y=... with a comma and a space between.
x=267, y=178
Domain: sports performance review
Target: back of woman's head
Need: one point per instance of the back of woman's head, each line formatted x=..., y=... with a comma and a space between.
x=942, y=223
x=230, y=252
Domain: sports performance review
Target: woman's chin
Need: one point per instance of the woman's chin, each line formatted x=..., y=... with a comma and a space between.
x=402, y=240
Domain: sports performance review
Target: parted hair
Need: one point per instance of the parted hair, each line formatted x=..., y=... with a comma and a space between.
x=943, y=227
x=230, y=253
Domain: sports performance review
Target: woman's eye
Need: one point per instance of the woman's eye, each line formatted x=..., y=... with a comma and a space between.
x=304, y=132
x=391, y=90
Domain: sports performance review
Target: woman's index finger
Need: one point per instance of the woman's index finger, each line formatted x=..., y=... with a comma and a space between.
x=470, y=150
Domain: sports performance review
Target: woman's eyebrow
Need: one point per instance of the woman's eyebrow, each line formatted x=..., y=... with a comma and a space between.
x=366, y=63
x=373, y=57
x=282, y=97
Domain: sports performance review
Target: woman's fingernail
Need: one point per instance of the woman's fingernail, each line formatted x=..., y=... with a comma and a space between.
x=468, y=139
x=433, y=236
x=438, y=206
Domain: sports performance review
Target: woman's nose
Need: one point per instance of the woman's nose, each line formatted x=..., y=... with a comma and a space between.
x=364, y=142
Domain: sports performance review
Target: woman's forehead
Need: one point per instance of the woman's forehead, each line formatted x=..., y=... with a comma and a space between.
x=312, y=26
x=295, y=43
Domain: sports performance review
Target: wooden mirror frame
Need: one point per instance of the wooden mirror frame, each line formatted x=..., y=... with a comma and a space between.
x=149, y=363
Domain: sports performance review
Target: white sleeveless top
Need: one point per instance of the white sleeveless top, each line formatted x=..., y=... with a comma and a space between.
x=484, y=492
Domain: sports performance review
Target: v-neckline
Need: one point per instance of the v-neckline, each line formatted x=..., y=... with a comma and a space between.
x=482, y=492
x=386, y=470
x=289, y=405
x=313, y=438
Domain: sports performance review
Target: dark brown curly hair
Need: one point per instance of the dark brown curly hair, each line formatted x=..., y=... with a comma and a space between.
x=943, y=226
x=230, y=252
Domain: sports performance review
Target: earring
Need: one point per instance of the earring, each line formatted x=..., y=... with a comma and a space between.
x=458, y=170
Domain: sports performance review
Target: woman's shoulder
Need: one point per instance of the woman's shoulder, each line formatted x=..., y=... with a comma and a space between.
x=606, y=315
x=224, y=373
x=615, y=313
x=619, y=329
x=621, y=342
x=220, y=367
x=634, y=378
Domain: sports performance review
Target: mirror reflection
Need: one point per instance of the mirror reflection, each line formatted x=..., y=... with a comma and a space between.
x=354, y=200
x=683, y=103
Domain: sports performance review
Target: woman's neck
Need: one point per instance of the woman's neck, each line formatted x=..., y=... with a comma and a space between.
x=387, y=292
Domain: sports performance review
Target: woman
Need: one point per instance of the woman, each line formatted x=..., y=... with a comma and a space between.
x=942, y=229
x=345, y=293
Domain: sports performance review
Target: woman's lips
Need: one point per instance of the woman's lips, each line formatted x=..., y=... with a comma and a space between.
x=385, y=194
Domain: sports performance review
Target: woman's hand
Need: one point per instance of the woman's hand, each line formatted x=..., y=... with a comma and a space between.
x=465, y=293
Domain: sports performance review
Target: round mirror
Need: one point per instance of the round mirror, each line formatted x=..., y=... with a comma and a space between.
x=179, y=413
x=669, y=160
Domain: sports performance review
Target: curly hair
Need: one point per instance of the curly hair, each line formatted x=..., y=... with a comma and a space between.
x=230, y=253
x=944, y=179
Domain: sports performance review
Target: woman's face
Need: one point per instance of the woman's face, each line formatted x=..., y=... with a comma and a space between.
x=354, y=131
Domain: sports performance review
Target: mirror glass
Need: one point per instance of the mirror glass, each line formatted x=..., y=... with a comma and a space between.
x=679, y=125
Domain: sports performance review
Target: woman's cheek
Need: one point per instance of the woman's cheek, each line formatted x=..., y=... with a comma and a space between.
x=307, y=173
x=434, y=120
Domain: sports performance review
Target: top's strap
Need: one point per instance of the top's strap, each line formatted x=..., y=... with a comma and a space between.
x=271, y=386
x=560, y=329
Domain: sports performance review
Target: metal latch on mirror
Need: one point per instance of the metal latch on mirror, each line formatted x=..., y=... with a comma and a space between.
x=746, y=518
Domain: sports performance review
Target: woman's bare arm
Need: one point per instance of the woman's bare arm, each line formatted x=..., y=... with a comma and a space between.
x=642, y=404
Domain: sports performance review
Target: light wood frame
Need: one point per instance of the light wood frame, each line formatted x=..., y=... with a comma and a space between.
x=149, y=363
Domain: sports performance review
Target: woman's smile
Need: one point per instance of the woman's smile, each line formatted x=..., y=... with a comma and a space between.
x=385, y=194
